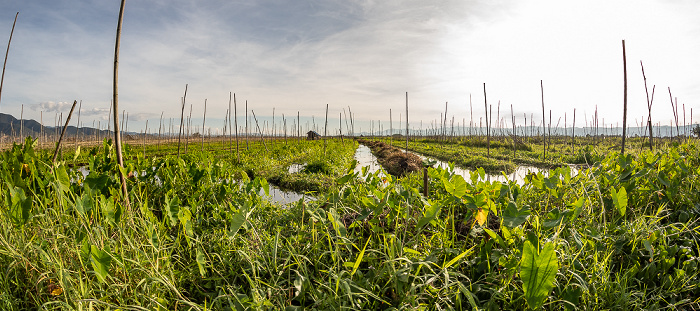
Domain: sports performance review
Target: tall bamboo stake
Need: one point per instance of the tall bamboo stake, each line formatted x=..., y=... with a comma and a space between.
x=624, y=114
x=246, y=125
x=573, y=130
x=406, y=122
x=515, y=135
x=145, y=132
x=488, y=133
x=235, y=120
x=115, y=100
x=58, y=145
x=160, y=126
x=182, y=117
x=230, y=144
x=189, y=126
x=259, y=131
x=649, y=104
x=204, y=121
x=21, y=124
x=2, y=79
x=544, y=135
x=77, y=128
x=391, y=130
x=325, y=132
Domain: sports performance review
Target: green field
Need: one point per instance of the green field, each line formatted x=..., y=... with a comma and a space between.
x=622, y=234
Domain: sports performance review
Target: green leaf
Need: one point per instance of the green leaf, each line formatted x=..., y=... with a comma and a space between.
x=185, y=217
x=430, y=213
x=553, y=218
x=513, y=217
x=664, y=179
x=110, y=211
x=238, y=220
x=578, y=208
x=265, y=186
x=19, y=205
x=343, y=180
x=173, y=206
x=458, y=258
x=77, y=153
x=449, y=186
x=620, y=200
x=359, y=258
x=337, y=224
x=496, y=237
x=460, y=186
x=100, y=261
x=201, y=262
x=63, y=179
x=538, y=271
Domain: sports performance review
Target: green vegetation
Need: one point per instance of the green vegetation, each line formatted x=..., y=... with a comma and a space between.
x=622, y=234
x=270, y=160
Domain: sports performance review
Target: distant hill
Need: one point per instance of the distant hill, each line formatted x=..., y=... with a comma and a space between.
x=10, y=126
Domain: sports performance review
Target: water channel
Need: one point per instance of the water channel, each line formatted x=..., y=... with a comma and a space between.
x=365, y=158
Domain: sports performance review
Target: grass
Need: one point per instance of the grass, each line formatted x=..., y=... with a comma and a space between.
x=193, y=239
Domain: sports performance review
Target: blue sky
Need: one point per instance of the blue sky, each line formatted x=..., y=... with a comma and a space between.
x=301, y=55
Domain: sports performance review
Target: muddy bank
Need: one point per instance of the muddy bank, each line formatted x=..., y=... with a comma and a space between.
x=395, y=161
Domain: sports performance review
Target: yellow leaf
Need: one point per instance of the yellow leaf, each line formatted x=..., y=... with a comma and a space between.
x=57, y=291
x=481, y=216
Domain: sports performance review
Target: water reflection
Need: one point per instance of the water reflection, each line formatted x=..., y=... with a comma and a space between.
x=365, y=158
x=296, y=168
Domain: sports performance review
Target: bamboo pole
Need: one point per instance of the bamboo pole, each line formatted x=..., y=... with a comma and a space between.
x=488, y=133
x=58, y=145
x=115, y=100
x=573, y=133
x=544, y=122
x=406, y=123
x=235, y=120
x=515, y=135
x=246, y=126
x=391, y=130
x=204, y=120
x=649, y=104
x=230, y=143
x=2, y=79
x=145, y=132
x=21, y=124
x=182, y=116
x=259, y=131
x=189, y=126
x=624, y=113
x=325, y=132
x=160, y=126
x=77, y=128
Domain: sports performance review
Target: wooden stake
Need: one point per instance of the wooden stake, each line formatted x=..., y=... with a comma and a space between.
x=325, y=132
x=259, y=131
x=182, y=117
x=406, y=123
x=2, y=79
x=488, y=133
x=624, y=113
x=544, y=134
x=649, y=104
x=115, y=101
x=235, y=120
x=58, y=146
x=204, y=121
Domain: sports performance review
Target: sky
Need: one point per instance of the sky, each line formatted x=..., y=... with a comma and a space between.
x=359, y=55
